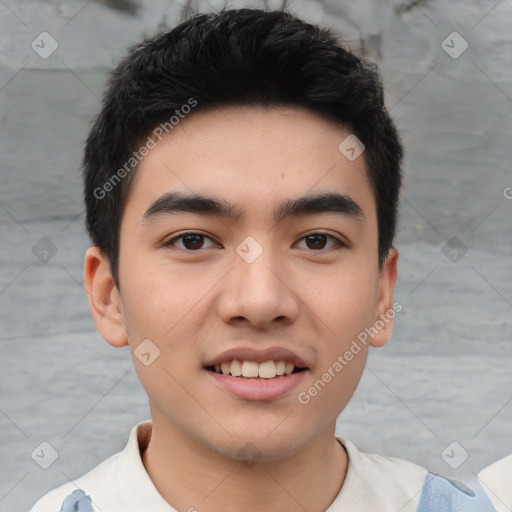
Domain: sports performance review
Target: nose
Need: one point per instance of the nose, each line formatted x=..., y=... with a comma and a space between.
x=258, y=293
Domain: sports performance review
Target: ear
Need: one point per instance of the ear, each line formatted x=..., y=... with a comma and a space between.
x=385, y=313
x=104, y=299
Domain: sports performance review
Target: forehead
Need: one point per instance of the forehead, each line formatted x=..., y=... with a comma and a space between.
x=251, y=157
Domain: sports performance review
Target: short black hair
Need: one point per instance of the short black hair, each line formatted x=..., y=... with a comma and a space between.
x=234, y=57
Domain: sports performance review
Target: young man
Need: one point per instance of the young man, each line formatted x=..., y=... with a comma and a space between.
x=497, y=481
x=241, y=183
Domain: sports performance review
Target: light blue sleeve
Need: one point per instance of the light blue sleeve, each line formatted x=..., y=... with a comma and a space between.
x=442, y=495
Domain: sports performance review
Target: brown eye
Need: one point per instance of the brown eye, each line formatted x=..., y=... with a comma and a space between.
x=316, y=241
x=193, y=241
x=320, y=241
x=189, y=241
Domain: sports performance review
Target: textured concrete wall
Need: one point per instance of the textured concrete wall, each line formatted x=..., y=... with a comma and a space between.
x=446, y=375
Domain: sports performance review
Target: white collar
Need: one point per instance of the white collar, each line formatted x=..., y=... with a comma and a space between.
x=368, y=478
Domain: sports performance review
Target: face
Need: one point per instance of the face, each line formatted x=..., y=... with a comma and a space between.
x=272, y=279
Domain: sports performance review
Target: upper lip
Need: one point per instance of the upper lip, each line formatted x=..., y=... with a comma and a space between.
x=258, y=356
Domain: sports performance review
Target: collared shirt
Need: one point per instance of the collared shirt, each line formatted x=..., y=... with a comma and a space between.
x=372, y=483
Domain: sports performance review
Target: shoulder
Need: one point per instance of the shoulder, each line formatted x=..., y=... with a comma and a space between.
x=387, y=468
x=496, y=479
x=97, y=482
x=118, y=480
x=390, y=484
x=379, y=483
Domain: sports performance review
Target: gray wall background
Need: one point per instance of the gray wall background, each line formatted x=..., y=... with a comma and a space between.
x=446, y=375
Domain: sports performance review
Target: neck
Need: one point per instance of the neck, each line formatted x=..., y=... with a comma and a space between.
x=192, y=477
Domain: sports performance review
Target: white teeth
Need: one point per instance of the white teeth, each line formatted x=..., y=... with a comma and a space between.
x=236, y=368
x=267, y=370
x=225, y=368
x=251, y=369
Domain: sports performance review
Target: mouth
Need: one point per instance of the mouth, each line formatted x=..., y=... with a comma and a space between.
x=257, y=375
x=253, y=370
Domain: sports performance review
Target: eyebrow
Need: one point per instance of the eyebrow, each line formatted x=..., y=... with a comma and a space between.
x=315, y=204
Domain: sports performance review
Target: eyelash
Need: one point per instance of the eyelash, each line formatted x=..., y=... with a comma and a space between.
x=340, y=244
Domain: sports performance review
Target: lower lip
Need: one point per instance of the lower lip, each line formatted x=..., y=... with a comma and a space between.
x=258, y=389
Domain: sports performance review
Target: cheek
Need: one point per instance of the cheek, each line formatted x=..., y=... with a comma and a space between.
x=157, y=308
x=160, y=302
x=150, y=304
x=344, y=301
x=334, y=384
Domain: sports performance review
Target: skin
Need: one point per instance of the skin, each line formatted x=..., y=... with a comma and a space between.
x=312, y=299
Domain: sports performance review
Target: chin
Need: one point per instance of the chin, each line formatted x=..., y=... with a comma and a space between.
x=250, y=447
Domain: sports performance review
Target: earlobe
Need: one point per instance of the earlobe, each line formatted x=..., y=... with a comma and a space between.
x=385, y=311
x=104, y=300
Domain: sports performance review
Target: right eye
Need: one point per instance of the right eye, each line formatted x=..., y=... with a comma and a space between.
x=191, y=241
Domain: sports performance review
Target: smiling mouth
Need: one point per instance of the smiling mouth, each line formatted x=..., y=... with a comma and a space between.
x=253, y=370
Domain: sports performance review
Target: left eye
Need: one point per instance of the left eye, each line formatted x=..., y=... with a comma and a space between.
x=318, y=241
x=195, y=241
